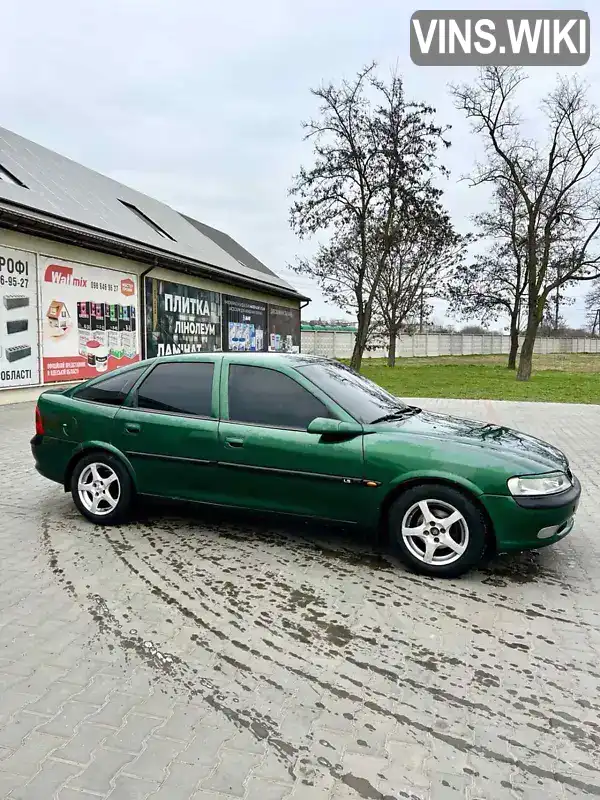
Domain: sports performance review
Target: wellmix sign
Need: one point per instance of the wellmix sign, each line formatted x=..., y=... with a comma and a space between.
x=500, y=38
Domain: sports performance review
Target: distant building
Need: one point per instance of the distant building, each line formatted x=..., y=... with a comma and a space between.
x=306, y=326
x=94, y=275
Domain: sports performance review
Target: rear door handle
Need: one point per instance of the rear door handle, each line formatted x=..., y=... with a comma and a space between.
x=233, y=441
x=132, y=427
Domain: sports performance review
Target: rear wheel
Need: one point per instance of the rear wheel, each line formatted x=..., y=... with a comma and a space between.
x=437, y=530
x=102, y=489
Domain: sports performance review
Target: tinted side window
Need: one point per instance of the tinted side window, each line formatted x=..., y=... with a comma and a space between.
x=179, y=387
x=113, y=390
x=357, y=395
x=261, y=396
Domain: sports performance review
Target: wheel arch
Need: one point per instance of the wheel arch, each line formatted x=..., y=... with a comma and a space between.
x=86, y=449
x=466, y=488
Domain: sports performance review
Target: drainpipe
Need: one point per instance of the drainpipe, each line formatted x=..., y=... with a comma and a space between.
x=303, y=305
x=142, y=302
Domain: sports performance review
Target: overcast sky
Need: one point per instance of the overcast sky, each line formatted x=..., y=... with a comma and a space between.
x=199, y=104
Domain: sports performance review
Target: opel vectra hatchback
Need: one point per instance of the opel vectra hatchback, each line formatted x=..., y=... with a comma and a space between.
x=303, y=435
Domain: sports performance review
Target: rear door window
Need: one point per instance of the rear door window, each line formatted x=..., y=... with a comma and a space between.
x=112, y=390
x=178, y=387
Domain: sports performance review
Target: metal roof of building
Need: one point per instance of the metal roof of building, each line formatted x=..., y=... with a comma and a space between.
x=225, y=242
x=42, y=184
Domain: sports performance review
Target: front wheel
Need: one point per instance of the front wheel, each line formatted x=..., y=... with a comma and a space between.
x=101, y=488
x=437, y=530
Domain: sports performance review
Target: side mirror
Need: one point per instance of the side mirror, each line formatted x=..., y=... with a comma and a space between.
x=323, y=426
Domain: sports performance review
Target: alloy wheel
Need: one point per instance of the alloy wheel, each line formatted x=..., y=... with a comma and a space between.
x=435, y=532
x=99, y=489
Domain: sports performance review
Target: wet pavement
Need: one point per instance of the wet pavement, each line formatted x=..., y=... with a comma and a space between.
x=205, y=655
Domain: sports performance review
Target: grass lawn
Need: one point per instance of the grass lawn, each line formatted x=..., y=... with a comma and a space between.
x=556, y=378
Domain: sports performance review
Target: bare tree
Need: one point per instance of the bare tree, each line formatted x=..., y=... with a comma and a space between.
x=557, y=182
x=494, y=282
x=426, y=247
x=592, y=307
x=487, y=287
x=374, y=152
x=338, y=269
x=553, y=322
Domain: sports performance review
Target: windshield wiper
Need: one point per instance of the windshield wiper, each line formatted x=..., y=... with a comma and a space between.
x=401, y=412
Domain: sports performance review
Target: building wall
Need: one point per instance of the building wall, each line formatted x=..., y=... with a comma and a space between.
x=86, y=260
x=218, y=286
x=67, y=252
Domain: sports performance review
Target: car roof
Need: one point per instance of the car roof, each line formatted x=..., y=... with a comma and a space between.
x=293, y=360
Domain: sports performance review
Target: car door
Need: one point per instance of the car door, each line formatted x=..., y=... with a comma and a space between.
x=270, y=461
x=91, y=418
x=169, y=430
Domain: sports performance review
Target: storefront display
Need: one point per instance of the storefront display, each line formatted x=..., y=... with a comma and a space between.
x=88, y=320
x=19, y=343
x=180, y=319
x=284, y=329
x=244, y=324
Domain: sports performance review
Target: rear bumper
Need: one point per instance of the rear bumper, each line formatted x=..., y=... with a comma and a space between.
x=48, y=457
x=540, y=522
x=35, y=444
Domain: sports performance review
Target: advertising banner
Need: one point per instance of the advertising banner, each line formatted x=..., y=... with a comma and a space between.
x=181, y=319
x=284, y=329
x=244, y=324
x=89, y=320
x=19, y=340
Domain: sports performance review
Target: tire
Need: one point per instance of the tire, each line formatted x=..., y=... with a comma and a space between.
x=423, y=508
x=115, y=501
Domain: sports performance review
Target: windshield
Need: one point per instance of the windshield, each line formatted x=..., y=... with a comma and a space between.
x=360, y=397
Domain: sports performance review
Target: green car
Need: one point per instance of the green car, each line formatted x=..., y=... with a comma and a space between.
x=303, y=435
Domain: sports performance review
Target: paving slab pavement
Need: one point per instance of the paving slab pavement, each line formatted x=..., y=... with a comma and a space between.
x=195, y=655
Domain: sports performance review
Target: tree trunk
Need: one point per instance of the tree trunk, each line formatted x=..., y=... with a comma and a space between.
x=526, y=359
x=360, y=342
x=535, y=304
x=362, y=334
x=514, y=344
x=392, y=350
x=356, y=359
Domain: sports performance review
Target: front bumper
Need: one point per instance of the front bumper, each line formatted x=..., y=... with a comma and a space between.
x=538, y=522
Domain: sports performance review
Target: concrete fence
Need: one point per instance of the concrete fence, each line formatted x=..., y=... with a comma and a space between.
x=339, y=344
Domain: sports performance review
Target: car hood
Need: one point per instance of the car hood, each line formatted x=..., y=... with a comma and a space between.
x=481, y=434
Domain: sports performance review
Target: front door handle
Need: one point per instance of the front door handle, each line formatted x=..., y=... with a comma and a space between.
x=132, y=427
x=233, y=441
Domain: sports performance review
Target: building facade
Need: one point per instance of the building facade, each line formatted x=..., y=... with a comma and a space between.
x=94, y=276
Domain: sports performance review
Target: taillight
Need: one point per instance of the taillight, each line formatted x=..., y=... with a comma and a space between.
x=39, y=425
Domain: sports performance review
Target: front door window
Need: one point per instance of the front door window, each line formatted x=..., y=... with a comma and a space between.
x=262, y=396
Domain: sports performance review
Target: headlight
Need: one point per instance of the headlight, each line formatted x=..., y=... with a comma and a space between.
x=549, y=483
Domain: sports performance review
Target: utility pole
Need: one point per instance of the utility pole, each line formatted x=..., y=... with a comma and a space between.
x=421, y=313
